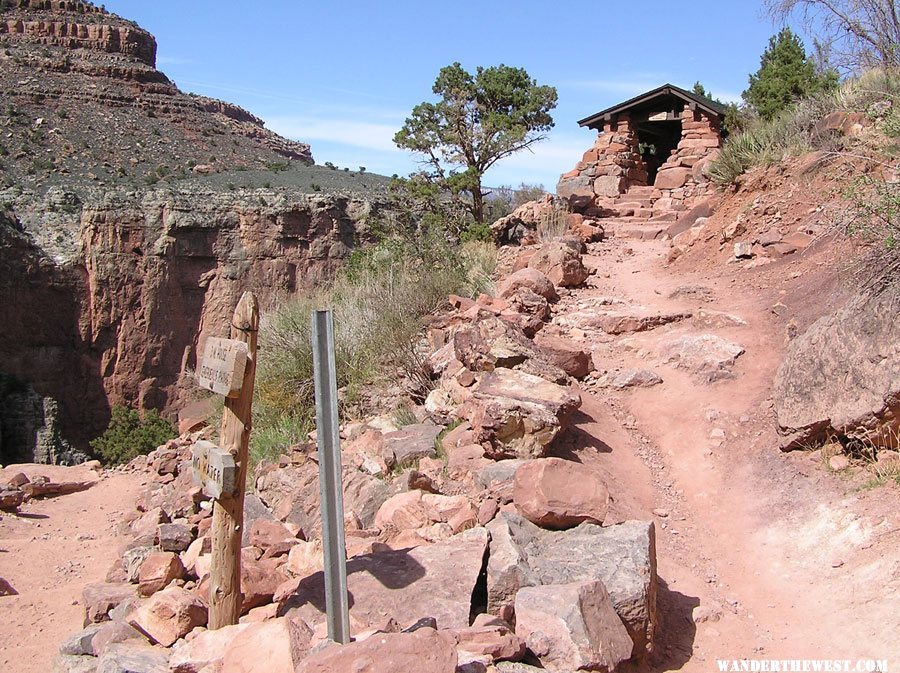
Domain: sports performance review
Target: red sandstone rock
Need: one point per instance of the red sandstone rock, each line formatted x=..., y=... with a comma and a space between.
x=566, y=354
x=517, y=414
x=556, y=493
x=204, y=651
x=279, y=645
x=672, y=178
x=169, y=615
x=423, y=651
x=265, y=533
x=158, y=570
x=572, y=627
x=531, y=278
x=560, y=264
x=99, y=599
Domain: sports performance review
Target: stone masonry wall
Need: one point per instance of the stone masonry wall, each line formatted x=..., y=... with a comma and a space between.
x=613, y=165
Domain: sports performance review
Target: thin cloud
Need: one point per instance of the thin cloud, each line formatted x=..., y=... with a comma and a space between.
x=368, y=135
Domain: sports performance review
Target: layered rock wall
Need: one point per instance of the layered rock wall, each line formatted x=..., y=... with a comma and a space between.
x=156, y=273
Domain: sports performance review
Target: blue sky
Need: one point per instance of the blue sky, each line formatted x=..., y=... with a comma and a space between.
x=343, y=76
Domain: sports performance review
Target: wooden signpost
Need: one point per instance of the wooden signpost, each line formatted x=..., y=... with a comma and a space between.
x=228, y=368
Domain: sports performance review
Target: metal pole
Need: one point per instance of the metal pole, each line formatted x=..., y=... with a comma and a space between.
x=331, y=494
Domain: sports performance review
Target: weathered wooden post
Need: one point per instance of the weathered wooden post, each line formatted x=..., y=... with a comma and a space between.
x=228, y=368
x=331, y=500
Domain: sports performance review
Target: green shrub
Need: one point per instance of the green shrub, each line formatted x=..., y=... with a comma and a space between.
x=127, y=436
x=797, y=130
x=379, y=301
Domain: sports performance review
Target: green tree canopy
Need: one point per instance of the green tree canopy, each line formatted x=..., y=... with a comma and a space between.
x=478, y=120
x=785, y=75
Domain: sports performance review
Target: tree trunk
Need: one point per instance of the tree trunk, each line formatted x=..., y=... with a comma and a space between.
x=478, y=202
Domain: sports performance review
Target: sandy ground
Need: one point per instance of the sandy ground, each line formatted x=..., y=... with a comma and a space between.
x=48, y=552
x=786, y=559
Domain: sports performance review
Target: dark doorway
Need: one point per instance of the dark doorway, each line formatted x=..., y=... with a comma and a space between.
x=657, y=141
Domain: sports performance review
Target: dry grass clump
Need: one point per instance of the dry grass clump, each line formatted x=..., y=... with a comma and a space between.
x=379, y=301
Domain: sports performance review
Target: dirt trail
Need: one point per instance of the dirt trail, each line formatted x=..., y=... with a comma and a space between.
x=787, y=560
x=48, y=552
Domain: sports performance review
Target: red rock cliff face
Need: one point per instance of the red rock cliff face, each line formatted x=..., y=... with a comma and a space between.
x=156, y=274
x=78, y=25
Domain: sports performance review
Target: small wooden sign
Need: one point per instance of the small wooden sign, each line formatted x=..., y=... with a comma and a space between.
x=658, y=117
x=214, y=470
x=222, y=368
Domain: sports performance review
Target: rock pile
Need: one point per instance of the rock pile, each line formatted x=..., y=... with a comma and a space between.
x=467, y=545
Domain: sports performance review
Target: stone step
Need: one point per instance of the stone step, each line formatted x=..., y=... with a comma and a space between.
x=633, y=203
x=643, y=231
x=640, y=191
x=666, y=216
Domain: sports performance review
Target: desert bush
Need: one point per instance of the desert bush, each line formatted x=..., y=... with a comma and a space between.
x=379, y=300
x=128, y=436
x=874, y=219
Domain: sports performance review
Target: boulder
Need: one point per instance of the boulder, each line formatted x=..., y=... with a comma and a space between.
x=622, y=556
x=436, y=580
x=531, y=279
x=559, y=494
x=417, y=509
x=423, y=651
x=98, y=599
x=278, y=644
x=73, y=663
x=495, y=640
x=672, y=178
x=516, y=414
x=259, y=581
x=157, y=570
x=81, y=642
x=169, y=615
x=11, y=497
x=265, y=533
x=113, y=632
x=133, y=658
x=204, y=651
x=566, y=354
x=527, y=301
x=572, y=627
x=412, y=442
x=708, y=356
x=842, y=376
x=635, y=378
x=174, y=536
x=293, y=492
x=7, y=589
x=560, y=263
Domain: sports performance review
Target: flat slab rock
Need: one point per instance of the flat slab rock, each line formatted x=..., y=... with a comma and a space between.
x=622, y=321
x=623, y=557
x=708, y=356
x=405, y=585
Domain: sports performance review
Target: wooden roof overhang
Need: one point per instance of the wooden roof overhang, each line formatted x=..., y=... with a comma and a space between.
x=668, y=98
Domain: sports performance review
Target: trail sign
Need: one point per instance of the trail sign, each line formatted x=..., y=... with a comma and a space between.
x=214, y=470
x=222, y=368
x=228, y=368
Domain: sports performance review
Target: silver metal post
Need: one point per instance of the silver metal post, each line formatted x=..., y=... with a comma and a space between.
x=331, y=494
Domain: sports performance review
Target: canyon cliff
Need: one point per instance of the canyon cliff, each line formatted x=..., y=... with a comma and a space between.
x=132, y=217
